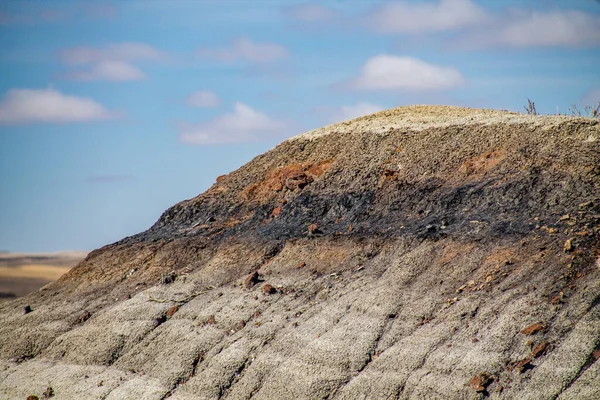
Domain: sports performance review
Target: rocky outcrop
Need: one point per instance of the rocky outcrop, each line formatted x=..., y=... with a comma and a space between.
x=420, y=252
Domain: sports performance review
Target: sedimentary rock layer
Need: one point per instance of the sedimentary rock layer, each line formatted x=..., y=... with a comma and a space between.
x=420, y=252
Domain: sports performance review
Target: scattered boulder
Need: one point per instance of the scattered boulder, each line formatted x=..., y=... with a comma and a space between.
x=269, y=289
x=27, y=309
x=534, y=328
x=540, y=349
x=171, y=311
x=84, y=317
x=277, y=211
x=524, y=365
x=251, y=280
x=480, y=382
x=49, y=392
x=297, y=180
x=557, y=299
x=313, y=229
x=168, y=278
x=568, y=246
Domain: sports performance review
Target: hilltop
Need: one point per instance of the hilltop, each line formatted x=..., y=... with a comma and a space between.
x=419, y=252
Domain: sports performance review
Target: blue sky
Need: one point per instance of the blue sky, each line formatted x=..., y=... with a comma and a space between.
x=110, y=112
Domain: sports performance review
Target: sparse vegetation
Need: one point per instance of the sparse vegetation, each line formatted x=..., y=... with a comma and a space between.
x=589, y=111
x=530, y=108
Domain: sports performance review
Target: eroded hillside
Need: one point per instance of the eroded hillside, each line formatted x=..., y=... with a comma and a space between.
x=420, y=252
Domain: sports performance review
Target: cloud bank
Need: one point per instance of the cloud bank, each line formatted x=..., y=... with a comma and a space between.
x=22, y=106
x=425, y=17
x=113, y=62
x=245, y=49
x=388, y=72
x=244, y=124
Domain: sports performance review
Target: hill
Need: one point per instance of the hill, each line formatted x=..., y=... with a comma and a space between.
x=420, y=252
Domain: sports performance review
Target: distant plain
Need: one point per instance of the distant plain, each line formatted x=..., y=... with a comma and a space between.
x=21, y=274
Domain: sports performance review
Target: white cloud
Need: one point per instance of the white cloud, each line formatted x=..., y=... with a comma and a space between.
x=114, y=52
x=246, y=49
x=310, y=13
x=529, y=28
x=112, y=63
x=345, y=113
x=203, y=99
x=387, y=72
x=244, y=124
x=424, y=17
x=109, y=71
x=48, y=105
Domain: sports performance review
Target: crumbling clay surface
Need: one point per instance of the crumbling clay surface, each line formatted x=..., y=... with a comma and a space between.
x=417, y=253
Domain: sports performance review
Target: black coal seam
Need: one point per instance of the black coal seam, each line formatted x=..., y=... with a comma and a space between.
x=374, y=214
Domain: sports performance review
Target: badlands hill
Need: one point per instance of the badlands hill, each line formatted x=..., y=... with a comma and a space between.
x=420, y=252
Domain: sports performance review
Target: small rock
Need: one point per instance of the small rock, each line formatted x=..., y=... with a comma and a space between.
x=33, y=397
x=565, y=217
x=301, y=264
x=167, y=279
x=49, y=392
x=313, y=229
x=269, y=289
x=277, y=186
x=480, y=382
x=211, y=320
x=171, y=311
x=27, y=309
x=557, y=299
x=524, y=365
x=596, y=354
x=532, y=329
x=240, y=325
x=568, y=246
x=277, y=211
x=540, y=349
x=101, y=383
x=84, y=317
x=474, y=340
x=251, y=280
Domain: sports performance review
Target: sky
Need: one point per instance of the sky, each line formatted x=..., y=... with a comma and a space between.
x=111, y=112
